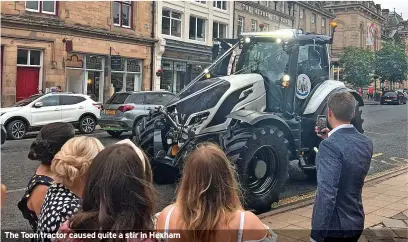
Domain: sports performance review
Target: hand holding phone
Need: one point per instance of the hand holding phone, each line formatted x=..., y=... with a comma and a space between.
x=321, y=123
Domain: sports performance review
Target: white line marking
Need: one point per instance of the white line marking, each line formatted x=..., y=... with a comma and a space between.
x=16, y=190
x=378, y=154
x=375, y=133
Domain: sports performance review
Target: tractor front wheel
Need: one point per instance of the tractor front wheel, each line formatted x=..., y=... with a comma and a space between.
x=261, y=157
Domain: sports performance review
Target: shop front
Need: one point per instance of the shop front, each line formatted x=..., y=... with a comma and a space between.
x=88, y=74
x=181, y=62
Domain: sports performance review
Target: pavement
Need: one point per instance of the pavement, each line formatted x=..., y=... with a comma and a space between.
x=385, y=125
x=386, y=214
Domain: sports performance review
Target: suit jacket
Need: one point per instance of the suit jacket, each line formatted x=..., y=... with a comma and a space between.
x=342, y=164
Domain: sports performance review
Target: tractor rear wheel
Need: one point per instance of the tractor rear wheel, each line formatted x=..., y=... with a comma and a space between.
x=261, y=158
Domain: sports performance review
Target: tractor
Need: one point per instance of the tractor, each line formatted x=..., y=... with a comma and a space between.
x=259, y=101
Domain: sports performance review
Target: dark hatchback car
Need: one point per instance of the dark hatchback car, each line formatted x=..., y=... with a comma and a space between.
x=393, y=97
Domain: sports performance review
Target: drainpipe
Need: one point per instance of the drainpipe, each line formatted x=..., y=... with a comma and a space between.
x=152, y=67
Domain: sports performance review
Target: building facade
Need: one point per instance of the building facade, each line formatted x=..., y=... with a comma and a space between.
x=186, y=31
x=50, y=43
x=358, y=24
x=312, y=17
x=273, y=15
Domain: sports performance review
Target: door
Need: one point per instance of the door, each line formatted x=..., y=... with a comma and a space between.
x=49, y=112
x=72, y=107
x=27, y=82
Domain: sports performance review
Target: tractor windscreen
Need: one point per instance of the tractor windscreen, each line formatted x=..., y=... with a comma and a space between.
x=266, y=57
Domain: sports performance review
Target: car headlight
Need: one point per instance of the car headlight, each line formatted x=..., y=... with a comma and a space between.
x=199, y=118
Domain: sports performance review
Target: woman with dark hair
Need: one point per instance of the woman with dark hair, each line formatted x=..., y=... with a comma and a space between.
x=208, y=206
x=48, y=143
x=118, y=195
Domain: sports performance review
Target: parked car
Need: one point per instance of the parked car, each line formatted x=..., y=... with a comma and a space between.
x=38, y=110
x=3, y=134
x=124, y=109
x=393, y=97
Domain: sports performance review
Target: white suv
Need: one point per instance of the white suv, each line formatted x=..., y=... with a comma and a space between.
x=38, y=110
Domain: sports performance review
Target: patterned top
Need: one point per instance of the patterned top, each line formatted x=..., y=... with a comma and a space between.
x=28, y=214
x=60, y=204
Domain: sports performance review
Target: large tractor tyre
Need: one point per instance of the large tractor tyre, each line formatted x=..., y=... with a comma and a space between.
x=261, y=156
x=146, y=132
x=164, y=174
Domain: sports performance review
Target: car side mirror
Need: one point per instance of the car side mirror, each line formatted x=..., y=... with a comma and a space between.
x=38, y=104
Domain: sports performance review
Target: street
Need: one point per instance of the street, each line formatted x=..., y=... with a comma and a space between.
x=385, y=125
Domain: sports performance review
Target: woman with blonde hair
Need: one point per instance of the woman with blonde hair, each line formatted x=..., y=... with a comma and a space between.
x=70, y=167
x=208, y=206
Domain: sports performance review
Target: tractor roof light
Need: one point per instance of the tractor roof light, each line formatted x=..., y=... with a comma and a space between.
x=285, y=81
x=247, y=40
x=278, y=40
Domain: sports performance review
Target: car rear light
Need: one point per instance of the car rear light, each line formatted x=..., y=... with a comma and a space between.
x=98, y=106
x=125, y=108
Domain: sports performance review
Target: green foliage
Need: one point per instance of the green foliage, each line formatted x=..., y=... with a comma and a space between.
x=358, y=64
x=392, y=61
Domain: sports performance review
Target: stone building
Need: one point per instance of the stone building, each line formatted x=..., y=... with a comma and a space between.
x=312, y=17
x=274, y=15
x=186, y=30
x=68, y=43
x=359, y=25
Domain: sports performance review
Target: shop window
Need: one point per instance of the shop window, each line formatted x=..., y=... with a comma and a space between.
x=47, y=7
x=171, y=23
x=122, y=13
x=94, y=62
x=128, y=77
x=28, y=57
x=220, y=5
x=219, y=30
x=254, y=25
x=197, y=29
x=174, y=74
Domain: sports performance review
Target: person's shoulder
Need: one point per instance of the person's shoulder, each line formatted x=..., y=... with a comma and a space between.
x=252, y=221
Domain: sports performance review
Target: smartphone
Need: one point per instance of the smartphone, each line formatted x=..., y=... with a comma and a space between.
x=321, y=123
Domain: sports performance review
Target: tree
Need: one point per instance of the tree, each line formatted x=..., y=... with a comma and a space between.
x=392, y=62
x=358, y=65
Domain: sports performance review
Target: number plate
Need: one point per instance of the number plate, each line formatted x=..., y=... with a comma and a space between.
x=110, y=112
x=388, y=100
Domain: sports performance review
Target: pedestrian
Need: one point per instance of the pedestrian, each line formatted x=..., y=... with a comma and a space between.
x=371, y=92
x=118, y=195
x=59, y=88
x=70, y=166
x=49, y=141
x=342, y=163
x=207, y=206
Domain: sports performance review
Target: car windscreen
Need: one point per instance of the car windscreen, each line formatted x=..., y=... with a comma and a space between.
x=26, y=101
x=118, y=98
x=390, y=94
x=158, y=98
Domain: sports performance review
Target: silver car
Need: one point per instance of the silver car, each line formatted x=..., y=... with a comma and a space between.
x=124, y=109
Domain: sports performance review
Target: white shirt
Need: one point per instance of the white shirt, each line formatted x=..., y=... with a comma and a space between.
x=341, y=126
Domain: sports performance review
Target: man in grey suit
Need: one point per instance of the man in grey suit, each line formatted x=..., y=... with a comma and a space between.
x=342, y=163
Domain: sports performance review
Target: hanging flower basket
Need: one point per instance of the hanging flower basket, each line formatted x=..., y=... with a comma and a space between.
x=159, y=72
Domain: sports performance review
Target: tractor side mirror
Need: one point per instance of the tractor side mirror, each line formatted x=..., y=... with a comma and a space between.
x=38, y=104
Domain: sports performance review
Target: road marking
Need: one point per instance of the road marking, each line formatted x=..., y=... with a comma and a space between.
x=378, y=154
x=374, y=133
x=16, y=190
x=399, y=159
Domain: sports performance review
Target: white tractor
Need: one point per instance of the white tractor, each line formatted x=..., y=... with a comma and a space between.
x=260, y=106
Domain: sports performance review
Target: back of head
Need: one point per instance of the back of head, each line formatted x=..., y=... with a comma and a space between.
x=208, y=191
x=74, y=158
x=119, y=193
x=342, y=105
x=49, y=141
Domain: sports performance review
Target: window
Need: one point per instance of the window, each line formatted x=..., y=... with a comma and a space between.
x=283, y=7
x=47, y=7
x=323, y=22
x=122, y=13
x=158, y=98
x=266, y=27
x=241, y=21
x=118, y=98
x=203, y=2
x=171, y=23
x=301, y=13
x=254, y=25
x=220, y=4
x=50, y=101
x=28, y=57
x=128, y=76
x=136, y=99
x=197, y=29
x=71, y=100
x=219, y=30
x=313, y=18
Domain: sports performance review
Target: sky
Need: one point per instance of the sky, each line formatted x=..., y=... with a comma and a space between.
x=401, y=6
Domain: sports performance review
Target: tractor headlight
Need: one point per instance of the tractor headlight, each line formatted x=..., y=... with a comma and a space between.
x=285, y=81
x=199, y=118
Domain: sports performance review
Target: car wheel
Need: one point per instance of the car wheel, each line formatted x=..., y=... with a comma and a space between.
x=115, y=134
x=87, y=124
x=16, y=129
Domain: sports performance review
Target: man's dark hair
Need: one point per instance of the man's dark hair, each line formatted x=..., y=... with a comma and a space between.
x=343, y=105
x=49, y=141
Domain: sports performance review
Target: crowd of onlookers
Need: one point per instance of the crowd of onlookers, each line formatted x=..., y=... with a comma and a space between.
x=81, y=186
